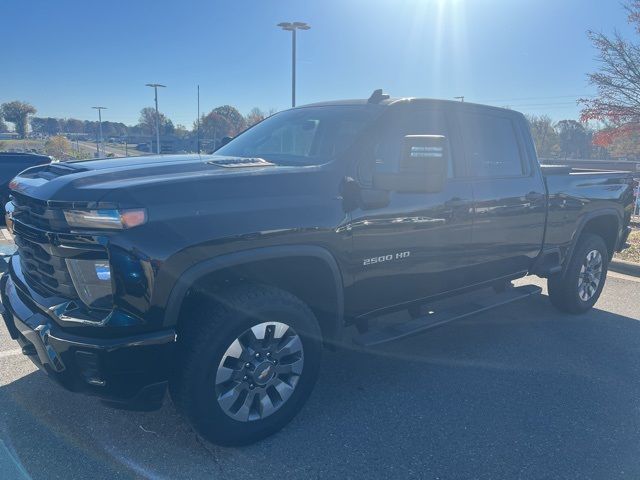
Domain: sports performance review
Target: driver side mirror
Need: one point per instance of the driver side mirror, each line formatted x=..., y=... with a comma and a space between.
x=423, y=166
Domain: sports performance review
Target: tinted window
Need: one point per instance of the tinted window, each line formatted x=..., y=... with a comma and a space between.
x=490, y=145
x=387, y=149
x=304, y=136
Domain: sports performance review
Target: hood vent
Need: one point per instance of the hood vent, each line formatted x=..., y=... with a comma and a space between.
x=51, y=171
x=238, y=162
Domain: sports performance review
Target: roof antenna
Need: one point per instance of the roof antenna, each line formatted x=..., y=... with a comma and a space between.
x=377, y=96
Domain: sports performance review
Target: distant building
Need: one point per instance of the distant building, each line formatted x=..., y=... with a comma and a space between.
x=9, y=136
x=168, y=143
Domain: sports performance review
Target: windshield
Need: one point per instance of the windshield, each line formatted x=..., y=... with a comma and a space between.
x=304, y=136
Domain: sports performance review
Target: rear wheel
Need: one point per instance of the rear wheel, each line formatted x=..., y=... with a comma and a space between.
x=578, y=288
x=247, y=364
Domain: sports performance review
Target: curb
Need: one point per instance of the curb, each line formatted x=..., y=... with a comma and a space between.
x=627, y=268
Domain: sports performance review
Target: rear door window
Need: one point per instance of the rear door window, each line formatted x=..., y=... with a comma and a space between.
x=490, y=145
x=416, y=121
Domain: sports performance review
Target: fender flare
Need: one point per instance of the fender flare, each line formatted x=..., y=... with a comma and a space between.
x=607, y=212
x=205, y=267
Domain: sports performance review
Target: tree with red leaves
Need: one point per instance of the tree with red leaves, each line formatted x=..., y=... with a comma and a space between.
x=618, y=84
x=620, y=142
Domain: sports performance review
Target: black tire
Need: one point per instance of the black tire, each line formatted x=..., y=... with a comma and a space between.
x=205, y=338
x=564, y=288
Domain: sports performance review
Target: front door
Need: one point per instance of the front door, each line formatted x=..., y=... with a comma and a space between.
x=416, y=244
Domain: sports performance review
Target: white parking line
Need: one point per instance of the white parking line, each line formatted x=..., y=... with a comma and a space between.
x=11, y=353
x=10, y=466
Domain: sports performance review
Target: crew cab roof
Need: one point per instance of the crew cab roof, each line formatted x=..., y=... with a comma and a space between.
x=453, y=104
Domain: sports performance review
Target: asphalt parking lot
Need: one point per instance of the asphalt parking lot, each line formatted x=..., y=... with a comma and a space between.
x=518, y=392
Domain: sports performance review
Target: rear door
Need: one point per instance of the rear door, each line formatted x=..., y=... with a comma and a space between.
x=417, y=244
x=509, y=193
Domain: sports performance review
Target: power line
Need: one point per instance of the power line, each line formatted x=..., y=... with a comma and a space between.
x=539, y=104
x=538, y=108
x=583, y=95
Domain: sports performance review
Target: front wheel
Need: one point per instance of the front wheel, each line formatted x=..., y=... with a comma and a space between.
x=578, y=288
x=247, y=364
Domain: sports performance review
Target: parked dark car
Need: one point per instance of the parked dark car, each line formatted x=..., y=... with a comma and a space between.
x=223, y=276
x=12, y=163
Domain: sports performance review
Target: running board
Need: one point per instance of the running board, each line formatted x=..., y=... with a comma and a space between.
x=420, y=324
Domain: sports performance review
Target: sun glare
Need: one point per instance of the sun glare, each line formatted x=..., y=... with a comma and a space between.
x=437, y=37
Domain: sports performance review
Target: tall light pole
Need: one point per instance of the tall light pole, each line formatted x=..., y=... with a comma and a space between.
x=155, y=89
x=292, y=27
x=99, y=139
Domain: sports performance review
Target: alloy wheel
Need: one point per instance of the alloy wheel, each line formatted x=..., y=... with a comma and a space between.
x=590, y=275
x=259, y=371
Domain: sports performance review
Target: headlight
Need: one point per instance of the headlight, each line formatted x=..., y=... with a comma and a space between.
x=92, y=280
x=106, y=218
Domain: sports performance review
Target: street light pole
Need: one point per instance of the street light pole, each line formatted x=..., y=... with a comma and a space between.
x=155, y=89
x=293, y=67
x=198, y=146
x=99, y=139
x=292, y=27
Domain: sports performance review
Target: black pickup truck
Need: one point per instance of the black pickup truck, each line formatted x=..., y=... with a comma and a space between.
x=224, y=276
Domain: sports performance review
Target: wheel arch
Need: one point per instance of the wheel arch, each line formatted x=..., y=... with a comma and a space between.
x=606, y=223
x=286, y=267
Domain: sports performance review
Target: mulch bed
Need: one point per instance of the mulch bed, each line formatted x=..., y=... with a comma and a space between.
x=631, y=254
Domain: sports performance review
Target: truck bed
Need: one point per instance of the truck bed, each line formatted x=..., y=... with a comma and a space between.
x=576, y=194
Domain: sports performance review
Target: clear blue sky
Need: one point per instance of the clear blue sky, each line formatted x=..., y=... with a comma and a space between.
x=64, y=56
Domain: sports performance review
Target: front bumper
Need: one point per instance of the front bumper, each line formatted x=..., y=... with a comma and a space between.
x=130, y=372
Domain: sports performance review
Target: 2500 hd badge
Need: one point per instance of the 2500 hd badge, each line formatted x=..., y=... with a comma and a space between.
x=385, y=258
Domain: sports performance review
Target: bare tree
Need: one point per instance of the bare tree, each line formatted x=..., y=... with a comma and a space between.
x=544, y=135
x=255, y=116
x=618, y=78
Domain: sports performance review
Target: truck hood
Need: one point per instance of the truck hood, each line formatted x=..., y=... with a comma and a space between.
x=92, y=181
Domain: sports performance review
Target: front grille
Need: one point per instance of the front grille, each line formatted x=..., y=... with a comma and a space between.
x=46, y=273
x=38, y=214
x=33, y=223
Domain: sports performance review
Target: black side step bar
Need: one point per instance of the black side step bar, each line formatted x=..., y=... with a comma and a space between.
x=420, y=324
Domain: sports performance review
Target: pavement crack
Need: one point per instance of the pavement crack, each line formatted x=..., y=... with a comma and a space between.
x=148, y=431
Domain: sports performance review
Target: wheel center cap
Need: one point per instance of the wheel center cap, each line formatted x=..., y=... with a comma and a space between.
x=263, y=373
